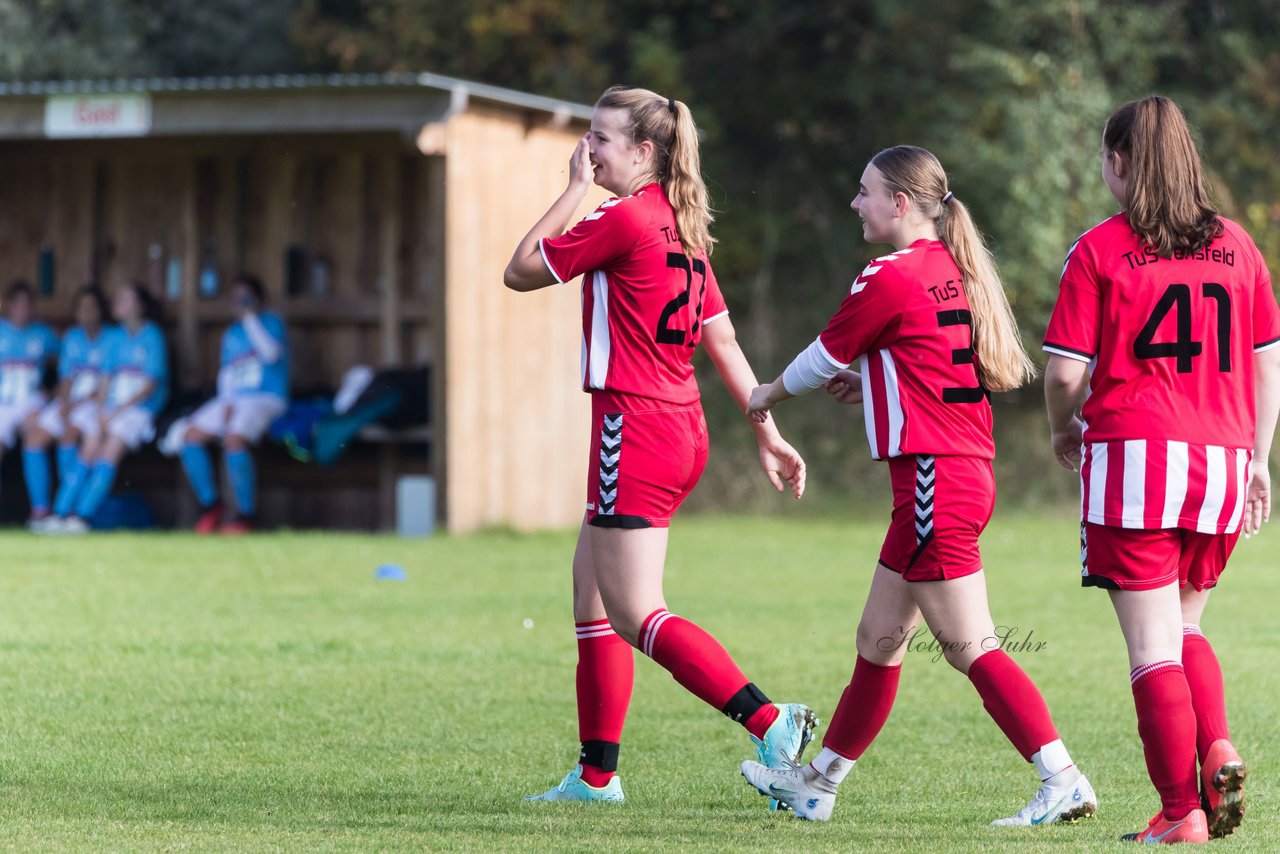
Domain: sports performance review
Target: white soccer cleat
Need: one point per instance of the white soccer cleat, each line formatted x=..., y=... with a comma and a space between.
x=43, y=525
x=810, y=795
x=52, y=525
x=1055, y=805
x=574, y=788
x=72, y=525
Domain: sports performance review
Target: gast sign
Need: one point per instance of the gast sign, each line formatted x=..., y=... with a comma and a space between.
x=97, y=115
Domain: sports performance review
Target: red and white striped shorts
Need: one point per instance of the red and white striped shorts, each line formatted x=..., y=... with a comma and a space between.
x=1154, y=512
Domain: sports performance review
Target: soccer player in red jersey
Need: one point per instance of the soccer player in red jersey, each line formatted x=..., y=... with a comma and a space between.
x=649, y=297
x=1167, y=327
x=932, y=331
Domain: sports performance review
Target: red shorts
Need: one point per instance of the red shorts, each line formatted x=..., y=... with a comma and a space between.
x=1147, y=558
x=646, y=457
x=940, y=506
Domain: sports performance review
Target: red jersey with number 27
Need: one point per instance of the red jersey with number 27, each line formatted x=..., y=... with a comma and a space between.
x=1169, y=418
x=907, y=321
x=644, y=302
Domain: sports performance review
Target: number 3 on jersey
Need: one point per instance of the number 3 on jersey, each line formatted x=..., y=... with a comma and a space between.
x=961, y=356
x=1177, y=298
x=666, y=334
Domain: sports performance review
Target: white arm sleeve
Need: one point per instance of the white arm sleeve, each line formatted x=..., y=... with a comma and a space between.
x=813, y=367
x=267, y=348
x=226, y=382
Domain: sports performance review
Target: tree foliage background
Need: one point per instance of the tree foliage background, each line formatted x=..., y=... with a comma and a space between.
x=793, y=97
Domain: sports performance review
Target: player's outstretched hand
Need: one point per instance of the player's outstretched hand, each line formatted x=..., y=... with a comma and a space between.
x=845, y=387
x=781, y=462
x=1258, y=506
x=1066, y=445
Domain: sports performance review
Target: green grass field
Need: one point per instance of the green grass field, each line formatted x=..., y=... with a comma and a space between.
x=166, y=692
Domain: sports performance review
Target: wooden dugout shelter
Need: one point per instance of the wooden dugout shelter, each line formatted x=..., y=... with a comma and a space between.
x=379, y=210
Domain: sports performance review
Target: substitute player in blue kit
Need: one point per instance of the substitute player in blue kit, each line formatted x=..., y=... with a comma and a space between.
x=80, y=363
x=253, y=391
x=26, y=346
x=136, y=387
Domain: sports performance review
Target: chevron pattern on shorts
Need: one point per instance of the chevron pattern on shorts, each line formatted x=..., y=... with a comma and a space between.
x=926, y=479
x=610, y=455
x=924, y=498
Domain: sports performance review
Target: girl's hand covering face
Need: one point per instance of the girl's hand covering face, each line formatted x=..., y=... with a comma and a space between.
x=580, y=162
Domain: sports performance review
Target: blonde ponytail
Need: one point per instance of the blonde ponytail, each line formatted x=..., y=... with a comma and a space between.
x=685, y=188
x=1002, y=362
x=677, y=165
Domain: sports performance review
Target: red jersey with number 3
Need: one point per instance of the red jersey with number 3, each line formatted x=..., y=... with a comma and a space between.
x=644, y=302
x=1169, y=418
x=907, y=321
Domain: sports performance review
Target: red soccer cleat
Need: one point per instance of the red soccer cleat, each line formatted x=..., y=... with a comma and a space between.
x=236, y=526
x=1222, y=780
x=210, y=519
x=1193, y=827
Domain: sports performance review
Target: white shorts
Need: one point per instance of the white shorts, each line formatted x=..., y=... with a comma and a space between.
x=133, y=426
x=52, y=422
x=247, y=415
x=12, y=416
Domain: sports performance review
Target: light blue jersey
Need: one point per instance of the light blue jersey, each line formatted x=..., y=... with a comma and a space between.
x=23, y=351
x=246, y=371
x=81, y=361
x=132, y=360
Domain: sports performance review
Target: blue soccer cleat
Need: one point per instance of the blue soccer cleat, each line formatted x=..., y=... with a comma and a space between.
x=784, y=742
x=573, y=788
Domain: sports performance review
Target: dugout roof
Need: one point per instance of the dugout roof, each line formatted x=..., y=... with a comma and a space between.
x=281, y=103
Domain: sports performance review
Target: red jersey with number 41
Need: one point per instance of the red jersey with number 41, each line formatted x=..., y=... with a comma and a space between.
x=644, y=302
x=1169, y=418
x=907, y=320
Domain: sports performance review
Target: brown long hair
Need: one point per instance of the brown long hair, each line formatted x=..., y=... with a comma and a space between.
x=677, y=166
x=1003, y=363
x=1168, y=203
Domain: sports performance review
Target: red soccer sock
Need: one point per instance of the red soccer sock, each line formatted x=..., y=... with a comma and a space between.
x=864, y=707
x=1167, y=726
x=759, y=721
x=698, y=662
x=1208, y=697
x=606, y=668
x=1013, y=701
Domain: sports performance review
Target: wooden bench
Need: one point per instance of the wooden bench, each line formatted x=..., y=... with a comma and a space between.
x=393, y=462
x=356, y=493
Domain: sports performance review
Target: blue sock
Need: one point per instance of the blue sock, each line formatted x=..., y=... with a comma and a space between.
x=69, y=489
x=244, y=481
x=35, y=465
x=101, y=478
x=68, y=456
x=199, y=469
